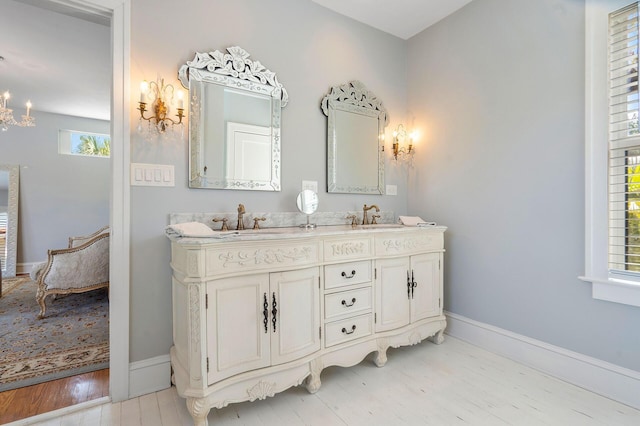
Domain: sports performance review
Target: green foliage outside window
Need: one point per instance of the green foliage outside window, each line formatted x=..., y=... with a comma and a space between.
x=92, y=145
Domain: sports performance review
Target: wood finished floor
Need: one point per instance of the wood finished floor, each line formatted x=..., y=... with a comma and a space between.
x=49, y=396
x=451, y=384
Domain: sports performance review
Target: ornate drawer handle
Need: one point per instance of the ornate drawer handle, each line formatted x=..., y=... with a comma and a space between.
x=353, y=301
x=353, y=273
x=353, y=328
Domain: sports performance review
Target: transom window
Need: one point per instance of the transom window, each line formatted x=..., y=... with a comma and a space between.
x=73, y=142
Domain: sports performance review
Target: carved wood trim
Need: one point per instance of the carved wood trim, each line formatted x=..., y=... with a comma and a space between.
x=267, y=256
x=261, y=390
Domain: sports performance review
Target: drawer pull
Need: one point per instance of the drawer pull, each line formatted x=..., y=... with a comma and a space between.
x=353, y=302
x=345, y=331
x=353, y=274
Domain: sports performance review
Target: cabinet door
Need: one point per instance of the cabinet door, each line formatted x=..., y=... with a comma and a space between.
x=392, y=297
x=425, y=301
x=297, y=320
x=237, y=340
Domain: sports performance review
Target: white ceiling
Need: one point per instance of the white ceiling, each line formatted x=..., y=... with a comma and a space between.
x=61, y=63
x=402, y=18
x=58, y=56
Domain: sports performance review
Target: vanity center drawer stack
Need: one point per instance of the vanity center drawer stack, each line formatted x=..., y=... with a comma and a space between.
x=348, y=301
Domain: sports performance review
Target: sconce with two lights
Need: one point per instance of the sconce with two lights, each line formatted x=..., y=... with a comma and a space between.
x=160, y=96
x=403, y=147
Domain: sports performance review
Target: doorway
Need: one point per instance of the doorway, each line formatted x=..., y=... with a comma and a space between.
x=118, y=13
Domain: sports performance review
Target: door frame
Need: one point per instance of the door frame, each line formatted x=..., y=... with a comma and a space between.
x=119, y=209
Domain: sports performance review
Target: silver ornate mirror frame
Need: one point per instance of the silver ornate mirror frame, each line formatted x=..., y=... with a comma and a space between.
x=237, y=73
x=348, y=108
x=11, y=236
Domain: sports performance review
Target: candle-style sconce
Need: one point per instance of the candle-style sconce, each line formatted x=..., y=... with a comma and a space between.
x=403, y=144
x=161, y=97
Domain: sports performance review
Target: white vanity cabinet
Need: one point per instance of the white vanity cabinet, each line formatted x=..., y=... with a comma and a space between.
x=408, y=289
x=254, y=314
x=261, y=320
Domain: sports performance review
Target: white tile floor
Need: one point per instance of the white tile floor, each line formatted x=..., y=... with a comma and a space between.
x=451, y=384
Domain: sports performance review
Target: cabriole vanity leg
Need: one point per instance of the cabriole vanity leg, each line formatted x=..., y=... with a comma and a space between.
x=313, y=380
x=381, y=357
x=199, y=411
x=438, y=338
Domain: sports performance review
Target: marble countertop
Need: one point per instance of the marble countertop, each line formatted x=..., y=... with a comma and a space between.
x=299, y=232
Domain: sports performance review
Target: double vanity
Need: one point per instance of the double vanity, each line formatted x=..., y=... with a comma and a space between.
x=258, y=311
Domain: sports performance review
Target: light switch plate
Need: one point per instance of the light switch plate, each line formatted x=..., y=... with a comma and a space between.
x=310, y=184
x=152, y=174
x=392, y=190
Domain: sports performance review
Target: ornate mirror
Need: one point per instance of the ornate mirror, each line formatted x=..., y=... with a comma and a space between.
x=9, y=176
x=356, y=120
x=234, y=121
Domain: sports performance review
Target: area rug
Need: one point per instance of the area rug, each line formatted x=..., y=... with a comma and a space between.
x=73, y=338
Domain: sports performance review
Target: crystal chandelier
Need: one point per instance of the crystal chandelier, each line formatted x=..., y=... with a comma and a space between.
x=6, y=115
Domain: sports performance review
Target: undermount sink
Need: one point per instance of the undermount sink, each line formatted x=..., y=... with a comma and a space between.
x=254, y=232
x=379, y=226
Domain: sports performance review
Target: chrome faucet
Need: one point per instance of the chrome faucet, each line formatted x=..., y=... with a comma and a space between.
x=241, y=213
x=365, y=209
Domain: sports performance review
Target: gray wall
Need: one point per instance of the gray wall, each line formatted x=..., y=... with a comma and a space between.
x=499, y=88
x=311, y=49
x=60, y=195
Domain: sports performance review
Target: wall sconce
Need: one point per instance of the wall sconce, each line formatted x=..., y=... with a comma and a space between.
x=403, y=148
x=161, y=97
x=6, y=115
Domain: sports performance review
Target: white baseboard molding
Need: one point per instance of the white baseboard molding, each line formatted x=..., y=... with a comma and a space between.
x=606, y=379
x=149, y=375
x=25, y=268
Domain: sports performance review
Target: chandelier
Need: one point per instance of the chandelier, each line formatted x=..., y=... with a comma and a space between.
x=159, y=97
x=6, y=115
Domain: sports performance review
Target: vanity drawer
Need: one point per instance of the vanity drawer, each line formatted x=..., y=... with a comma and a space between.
x=346, y=274
x=348, y=329
x=351, y=302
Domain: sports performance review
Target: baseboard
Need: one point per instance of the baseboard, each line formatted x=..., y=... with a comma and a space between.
x=25, y=268
x=606, y=379
x=149, y=375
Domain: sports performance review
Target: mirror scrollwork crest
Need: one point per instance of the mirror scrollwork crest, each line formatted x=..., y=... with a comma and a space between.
x=234, y=121
x=356, y=120
x=9, y=185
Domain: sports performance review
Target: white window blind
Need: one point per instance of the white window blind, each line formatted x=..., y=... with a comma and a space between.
x=624, y=142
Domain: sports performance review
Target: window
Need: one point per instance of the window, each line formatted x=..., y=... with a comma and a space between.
x=72, y=142
x=612, y=150
x=624, y=143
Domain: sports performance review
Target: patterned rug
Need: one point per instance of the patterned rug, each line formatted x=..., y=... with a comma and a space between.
x=73, y=338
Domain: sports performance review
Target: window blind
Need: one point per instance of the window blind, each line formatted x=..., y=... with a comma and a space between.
x=624, y=142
